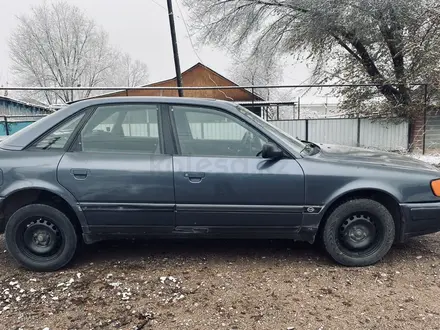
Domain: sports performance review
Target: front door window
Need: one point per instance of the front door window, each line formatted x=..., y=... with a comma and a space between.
x=209, y=132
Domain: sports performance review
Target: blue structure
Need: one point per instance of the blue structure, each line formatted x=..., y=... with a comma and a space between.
x=16, y=114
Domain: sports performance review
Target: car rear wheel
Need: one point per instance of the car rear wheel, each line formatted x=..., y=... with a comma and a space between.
x=359, y=232
x=40, y=237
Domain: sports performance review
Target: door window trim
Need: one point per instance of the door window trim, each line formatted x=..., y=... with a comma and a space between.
x=241, y=120
x=160, y=113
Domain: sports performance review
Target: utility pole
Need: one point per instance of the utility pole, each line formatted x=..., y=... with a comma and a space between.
x=175, y=51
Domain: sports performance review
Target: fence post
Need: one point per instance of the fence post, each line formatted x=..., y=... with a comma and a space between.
x=6, y=125
x=307, y=130
x=299, y=107
x=358, y=138
x=424, y=119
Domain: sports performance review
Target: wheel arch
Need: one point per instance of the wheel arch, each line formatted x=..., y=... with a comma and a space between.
x=378, y=194
x=24, y=194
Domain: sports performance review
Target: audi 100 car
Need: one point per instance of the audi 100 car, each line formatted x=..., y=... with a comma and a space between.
x=129, y=167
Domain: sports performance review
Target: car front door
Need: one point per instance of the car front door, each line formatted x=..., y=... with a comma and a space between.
x=222, y=186
x=118, y=171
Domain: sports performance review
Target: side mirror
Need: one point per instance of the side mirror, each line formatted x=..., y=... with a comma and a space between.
x=271, y=151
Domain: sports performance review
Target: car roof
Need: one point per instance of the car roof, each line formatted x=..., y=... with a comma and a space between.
x=148, y=99
x=28, y=134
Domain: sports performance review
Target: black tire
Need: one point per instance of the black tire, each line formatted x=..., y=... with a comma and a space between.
x=359, y=233
x=43, y=228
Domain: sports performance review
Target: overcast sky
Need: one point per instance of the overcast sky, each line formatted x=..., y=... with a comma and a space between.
x=139, y=27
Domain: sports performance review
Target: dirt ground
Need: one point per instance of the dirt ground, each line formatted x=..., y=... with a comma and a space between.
x=224, y=285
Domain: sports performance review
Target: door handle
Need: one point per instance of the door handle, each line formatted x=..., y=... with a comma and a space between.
x=79, y=173
x=194, y=177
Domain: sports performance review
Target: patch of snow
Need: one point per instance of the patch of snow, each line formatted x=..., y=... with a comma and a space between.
x=431, y=159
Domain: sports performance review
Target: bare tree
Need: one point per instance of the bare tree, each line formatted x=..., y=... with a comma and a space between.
x=127, y=72
x=57, y=45
x=386, y=42
x=261, y=69
x=257, y=69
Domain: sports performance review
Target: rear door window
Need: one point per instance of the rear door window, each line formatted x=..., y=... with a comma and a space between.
x=122, y=128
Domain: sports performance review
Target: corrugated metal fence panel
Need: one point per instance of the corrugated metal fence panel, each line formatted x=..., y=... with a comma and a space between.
x=214, y=131
x=147, y=130
x=217, y=131
x=295, y=128
x=383, y=134
x=333, y=131
x=223, y=131
x=380, y=134
x=196, y=130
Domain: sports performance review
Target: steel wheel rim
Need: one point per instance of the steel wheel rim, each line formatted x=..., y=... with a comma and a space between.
x=40, y=238
x=360, y=233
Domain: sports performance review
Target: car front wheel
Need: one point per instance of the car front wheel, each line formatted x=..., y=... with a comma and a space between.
x=359, y=232
x=40, y=237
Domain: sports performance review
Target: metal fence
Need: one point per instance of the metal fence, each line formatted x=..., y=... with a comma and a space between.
x=361, y=132
x=301, y=119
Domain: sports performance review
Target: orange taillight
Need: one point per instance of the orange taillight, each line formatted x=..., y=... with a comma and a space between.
x=435, y=186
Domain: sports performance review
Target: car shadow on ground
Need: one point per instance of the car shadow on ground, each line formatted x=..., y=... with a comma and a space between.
x=229, y=250
x=203, y=249
x=236, y=249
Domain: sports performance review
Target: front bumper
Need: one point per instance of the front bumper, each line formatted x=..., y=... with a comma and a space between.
x=420, y=219
x=2, y=217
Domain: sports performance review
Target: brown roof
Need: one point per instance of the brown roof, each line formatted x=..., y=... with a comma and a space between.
x=198, y=75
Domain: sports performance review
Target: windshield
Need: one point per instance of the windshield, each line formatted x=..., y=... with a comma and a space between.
x=296, y=144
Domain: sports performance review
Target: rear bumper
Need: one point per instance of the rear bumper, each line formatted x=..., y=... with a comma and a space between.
x=420, y=219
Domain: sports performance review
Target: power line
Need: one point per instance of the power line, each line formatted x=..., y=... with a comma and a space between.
x=187, y=32
x=186, y=27
x=159, y=5
x=164, y=8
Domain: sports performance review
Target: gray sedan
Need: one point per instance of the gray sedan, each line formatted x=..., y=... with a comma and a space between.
x=178, y=167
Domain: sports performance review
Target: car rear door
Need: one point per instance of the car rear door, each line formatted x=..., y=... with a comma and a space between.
x=119, y=173
x=223, y=187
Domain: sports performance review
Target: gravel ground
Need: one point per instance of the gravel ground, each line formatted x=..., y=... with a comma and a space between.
x=218, y=284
